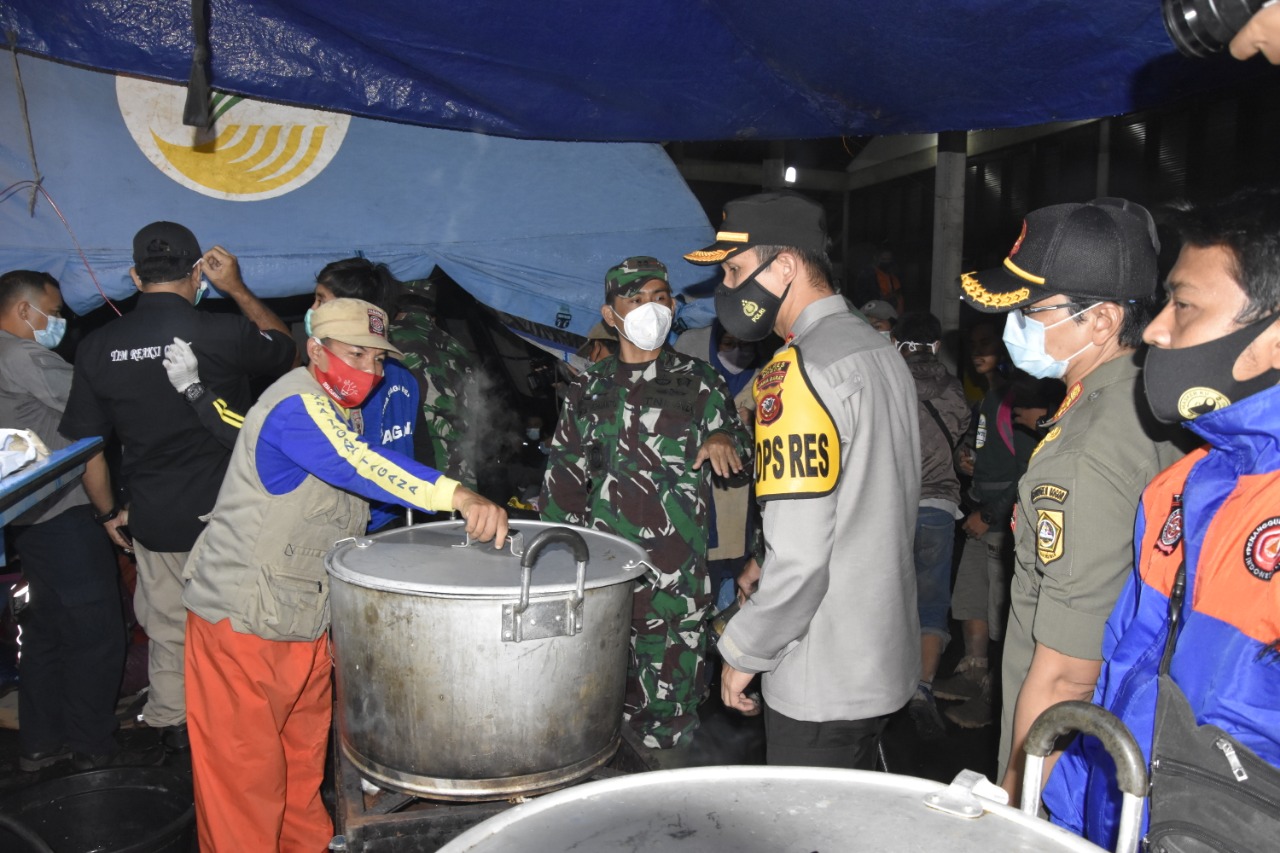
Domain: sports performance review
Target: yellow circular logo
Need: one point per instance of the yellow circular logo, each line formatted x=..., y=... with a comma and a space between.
x=1195, y=402
x=253, y=151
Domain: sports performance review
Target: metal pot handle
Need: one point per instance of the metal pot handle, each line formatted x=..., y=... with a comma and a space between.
x=581, y=554
x=1131, y=768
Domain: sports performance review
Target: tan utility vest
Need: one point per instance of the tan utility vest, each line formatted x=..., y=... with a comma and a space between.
x=260, y=560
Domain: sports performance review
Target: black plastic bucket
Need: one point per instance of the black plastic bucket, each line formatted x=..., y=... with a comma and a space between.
x=122, y=810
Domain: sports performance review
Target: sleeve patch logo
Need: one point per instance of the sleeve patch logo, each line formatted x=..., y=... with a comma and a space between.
x=1262, y=549
x=772, y=375
x=1049, y=492
x=1171, y=533
x=1049, y=535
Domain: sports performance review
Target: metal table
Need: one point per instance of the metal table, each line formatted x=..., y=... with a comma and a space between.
x=23, y=490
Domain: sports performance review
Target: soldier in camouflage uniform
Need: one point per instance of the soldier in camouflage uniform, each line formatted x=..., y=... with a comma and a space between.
x=445, y=370
x=633, y=454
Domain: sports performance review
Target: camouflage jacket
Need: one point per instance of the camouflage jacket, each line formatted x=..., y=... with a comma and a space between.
x=445, y=371
x=622, y=458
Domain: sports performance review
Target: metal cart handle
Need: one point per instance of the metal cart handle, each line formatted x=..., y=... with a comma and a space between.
x=1131, y=767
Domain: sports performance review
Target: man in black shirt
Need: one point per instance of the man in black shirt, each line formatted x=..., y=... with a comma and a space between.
x=172, y=465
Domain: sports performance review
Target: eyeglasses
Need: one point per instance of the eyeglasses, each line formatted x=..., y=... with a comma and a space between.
x=1027, y=312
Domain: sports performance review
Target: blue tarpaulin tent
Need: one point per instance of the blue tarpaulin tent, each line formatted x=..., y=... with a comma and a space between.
x=526, y=226
x=654, y=70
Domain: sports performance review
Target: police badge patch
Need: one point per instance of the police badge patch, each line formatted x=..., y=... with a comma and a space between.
x=769, y=408
x=1171, y=533
x=1262, y=549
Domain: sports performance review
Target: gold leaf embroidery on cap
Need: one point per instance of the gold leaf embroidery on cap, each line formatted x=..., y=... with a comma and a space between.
x=708, y=255
x=976, y=292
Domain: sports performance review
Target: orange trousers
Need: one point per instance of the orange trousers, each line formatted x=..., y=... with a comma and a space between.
x=258, y=713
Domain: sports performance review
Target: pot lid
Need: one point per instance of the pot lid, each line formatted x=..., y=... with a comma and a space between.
x=436, y=559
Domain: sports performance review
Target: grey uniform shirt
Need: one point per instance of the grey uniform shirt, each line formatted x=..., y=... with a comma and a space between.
x=34, y=384
x=834, y=625
x=1073, y=523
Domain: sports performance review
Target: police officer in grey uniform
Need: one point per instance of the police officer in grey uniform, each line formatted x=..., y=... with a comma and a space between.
x=1080, y=285
x=833, y=624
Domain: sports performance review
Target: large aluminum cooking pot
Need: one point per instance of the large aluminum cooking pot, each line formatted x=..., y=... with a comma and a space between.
x=467, y=672
x=766, y=810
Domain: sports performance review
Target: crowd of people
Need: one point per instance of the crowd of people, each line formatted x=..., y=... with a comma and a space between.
x=819, y=493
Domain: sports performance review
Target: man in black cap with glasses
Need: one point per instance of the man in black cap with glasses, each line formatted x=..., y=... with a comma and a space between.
x=1079, y=286
x=172, y=466
x=833, y=624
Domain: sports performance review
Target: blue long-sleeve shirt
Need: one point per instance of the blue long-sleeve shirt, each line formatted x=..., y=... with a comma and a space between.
x=306, y=434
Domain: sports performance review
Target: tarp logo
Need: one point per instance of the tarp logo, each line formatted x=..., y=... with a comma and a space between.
x=253, y=151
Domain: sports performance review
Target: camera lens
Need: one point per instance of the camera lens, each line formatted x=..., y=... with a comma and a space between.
x=1202, y=27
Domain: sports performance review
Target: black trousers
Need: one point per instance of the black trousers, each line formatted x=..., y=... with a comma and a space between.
x=73, y=637
x=850, y=744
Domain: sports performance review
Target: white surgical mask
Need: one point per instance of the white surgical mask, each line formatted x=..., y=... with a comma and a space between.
x=54, y=328
x=533, y=433
x=736, y=359
x=647, y=325
x=1024, y=338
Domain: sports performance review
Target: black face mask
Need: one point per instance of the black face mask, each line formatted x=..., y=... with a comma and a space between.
x=1183, y=384
x=748, y=311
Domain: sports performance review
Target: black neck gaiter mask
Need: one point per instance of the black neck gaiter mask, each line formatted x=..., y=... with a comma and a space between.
x=1183, y=384
x=748, y=311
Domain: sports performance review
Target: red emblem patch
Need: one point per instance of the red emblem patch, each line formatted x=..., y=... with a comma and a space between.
x=1262, y=549
x=1171, y=533
x=1017, y=244
x=769, y=409
x=376, y=325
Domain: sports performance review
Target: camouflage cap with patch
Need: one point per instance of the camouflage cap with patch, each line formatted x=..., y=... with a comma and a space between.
x=628, y=277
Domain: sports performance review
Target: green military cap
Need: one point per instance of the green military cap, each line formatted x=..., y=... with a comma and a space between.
x=628, y=277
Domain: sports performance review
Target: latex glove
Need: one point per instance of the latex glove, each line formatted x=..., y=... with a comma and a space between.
x=181, y=365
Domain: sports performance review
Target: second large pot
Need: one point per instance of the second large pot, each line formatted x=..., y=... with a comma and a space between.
x=457, y=680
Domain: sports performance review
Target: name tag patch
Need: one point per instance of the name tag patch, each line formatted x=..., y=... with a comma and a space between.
x=1049, y=492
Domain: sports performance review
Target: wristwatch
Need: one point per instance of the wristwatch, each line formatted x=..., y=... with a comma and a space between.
x=103, y=518
x=194, y=391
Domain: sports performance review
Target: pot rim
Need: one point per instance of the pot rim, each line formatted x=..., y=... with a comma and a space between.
x=381, y=563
